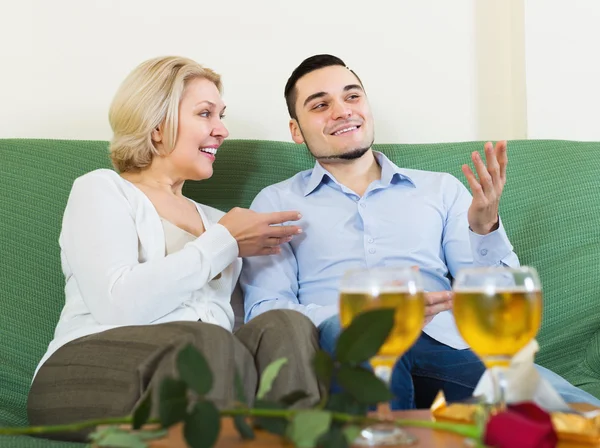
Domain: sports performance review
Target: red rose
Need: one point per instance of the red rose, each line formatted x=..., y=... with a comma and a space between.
x=522, y=425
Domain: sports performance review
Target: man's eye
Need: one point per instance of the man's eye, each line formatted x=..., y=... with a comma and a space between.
x=319, y=106
x=354, y=96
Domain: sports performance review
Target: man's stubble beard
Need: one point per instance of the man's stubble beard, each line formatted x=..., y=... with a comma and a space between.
x=352, y=154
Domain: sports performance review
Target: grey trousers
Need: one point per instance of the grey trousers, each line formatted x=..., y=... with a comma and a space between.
x=107, y=374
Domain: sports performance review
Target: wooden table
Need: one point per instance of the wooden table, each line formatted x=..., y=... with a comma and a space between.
x=231, y=439
x=427, y=438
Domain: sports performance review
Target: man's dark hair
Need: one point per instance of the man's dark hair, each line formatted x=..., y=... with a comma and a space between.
x=308, y=65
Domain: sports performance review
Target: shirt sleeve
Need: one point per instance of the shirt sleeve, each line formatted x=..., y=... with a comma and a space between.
x=99, y=243
x=462, y=247
x=271, y=282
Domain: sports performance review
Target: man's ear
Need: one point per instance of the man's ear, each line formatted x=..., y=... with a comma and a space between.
x=295, y=131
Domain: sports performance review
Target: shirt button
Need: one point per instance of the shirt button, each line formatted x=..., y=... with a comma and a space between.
x=483, y=252
x=370, y=240
x=363, y=205
x=371, y=251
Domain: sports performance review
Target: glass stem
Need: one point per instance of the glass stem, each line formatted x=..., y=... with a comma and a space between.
x=384, y=373
x=498, y=375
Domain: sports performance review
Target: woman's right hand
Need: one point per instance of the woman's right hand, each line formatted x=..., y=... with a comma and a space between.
x=258, y=233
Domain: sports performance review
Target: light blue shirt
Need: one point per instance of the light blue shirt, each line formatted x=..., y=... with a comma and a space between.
x=408, y=217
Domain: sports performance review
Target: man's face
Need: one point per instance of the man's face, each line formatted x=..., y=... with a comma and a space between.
x=334, y=116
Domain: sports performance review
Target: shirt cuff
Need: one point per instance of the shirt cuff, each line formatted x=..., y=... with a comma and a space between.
x=490, y=249
x=219, y=246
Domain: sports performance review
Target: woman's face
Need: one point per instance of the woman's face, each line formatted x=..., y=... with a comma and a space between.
x=200, y=131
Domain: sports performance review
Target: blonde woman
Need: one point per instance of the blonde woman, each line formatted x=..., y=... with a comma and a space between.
x=148, y=270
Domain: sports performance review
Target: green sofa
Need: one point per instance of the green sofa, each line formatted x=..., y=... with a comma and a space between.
x=550, y=208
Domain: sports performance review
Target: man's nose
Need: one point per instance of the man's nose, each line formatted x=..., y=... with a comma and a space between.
x=340, y=110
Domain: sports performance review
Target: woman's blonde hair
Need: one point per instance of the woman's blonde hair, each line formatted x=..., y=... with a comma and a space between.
x=147, y=99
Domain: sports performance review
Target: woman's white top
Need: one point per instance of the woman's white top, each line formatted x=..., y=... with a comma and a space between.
x=120, y=270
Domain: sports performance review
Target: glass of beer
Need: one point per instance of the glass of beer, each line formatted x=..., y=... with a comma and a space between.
x=400, y=289
x=498, y=311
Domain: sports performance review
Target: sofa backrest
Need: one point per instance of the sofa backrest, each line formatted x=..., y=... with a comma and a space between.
x=551, y=211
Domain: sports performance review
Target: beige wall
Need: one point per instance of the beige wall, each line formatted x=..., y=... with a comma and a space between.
x=435, y=70
x=500, y=65
x=562, y=41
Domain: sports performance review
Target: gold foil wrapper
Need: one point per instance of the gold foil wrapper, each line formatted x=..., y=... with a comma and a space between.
x=571, y=428
x=576, y=428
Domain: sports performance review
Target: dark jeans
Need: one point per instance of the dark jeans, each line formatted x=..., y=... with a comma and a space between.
x=428, y=367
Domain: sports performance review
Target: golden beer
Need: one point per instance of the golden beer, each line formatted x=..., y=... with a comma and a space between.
x=409, y=317
x=497, y=325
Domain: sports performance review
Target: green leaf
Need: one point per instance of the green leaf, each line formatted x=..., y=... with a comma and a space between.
x=142, y=411
x=172, y=401
x=202, y=425
x=293, y=397
x=323, y=365
x=307, y=426
x=98, y=434
x=243, y=427
x=194, y=370
x=115, y=437
x=365, y=335
x=240, y=395
x=363, y=385
x=268, y=376
x=345, y=403
x=351, y=433
x=275, y=425
x=334, y=438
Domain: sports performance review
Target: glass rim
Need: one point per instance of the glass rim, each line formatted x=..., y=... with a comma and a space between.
x=408, y=277
x=533, y=285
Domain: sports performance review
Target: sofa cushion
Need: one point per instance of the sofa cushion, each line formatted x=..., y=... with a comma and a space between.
x=36, y=177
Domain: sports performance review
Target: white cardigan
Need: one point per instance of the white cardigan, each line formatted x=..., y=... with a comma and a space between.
x=113, y=259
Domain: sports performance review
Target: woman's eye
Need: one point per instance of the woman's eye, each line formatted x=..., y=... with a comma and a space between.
x=205, y=114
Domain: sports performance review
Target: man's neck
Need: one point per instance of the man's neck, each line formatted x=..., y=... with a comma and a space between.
x=355, y=174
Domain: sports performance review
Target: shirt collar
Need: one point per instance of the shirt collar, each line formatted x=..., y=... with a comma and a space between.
x=316, y=178
x=390, y=173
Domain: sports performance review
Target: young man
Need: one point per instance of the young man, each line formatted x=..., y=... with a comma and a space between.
x=360, y=210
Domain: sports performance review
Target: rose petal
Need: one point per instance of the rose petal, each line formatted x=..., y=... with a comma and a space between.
x=521, y=426
x=532, y=411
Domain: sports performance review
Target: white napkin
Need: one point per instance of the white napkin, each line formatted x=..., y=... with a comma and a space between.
x=524, y=383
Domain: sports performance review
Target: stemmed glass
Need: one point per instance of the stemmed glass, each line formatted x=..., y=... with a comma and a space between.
x=402, y=290
x=498, y=311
